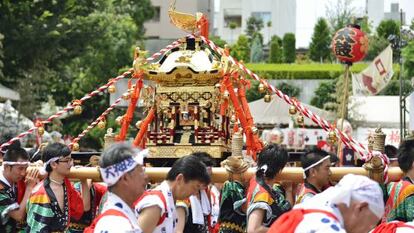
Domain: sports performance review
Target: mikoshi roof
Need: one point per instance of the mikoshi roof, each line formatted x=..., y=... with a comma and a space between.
x=7, y=93
x=277, y=112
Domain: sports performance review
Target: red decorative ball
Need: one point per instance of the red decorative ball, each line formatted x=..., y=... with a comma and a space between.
x=350, y=44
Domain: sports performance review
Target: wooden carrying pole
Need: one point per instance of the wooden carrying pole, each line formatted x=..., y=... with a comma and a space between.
x=294, y=174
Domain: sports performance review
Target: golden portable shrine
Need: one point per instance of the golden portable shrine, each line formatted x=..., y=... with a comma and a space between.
x=196, y=101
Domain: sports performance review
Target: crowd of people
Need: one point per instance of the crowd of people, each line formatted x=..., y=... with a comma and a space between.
x=41, y=198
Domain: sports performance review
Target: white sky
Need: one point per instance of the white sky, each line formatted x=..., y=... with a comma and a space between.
x=308, y=11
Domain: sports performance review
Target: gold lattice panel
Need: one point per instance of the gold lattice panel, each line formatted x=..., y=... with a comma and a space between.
x=179, y=151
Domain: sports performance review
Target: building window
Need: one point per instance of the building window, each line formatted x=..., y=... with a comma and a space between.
x=265, y=16
x=157, y=13
x=232, y=16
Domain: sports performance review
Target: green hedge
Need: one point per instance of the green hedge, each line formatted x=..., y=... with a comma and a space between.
x=305, y=71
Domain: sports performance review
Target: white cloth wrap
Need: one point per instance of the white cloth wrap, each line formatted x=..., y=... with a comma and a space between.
x=200, y=208
x=110, y=175
x=354, y=188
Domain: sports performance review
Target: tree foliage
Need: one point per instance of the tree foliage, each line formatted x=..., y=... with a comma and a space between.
x=289, y=48
x=289, y=89
x=376, y=46
x=68, y=48
x=241, y=50
x=388, y=27
x=408, y=58
x=321, y=39
x=276, y=52
x=1, y=57
x=339, y=13
x=256, y=50
x=253, y=28
x=217, y=41
x=324, y=97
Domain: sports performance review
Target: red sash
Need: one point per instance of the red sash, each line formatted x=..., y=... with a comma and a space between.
x=391, y=227
x=110, y=212
x=288, y=222
x=161, y=196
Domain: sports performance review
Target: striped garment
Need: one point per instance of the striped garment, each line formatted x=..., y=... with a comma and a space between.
x=399, y=203
x=274, y=204
x=44, y=213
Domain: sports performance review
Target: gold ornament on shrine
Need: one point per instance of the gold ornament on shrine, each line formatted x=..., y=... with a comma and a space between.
x=102, y=124
x=119, y=120
x=226, y=94
x=255, y=130
x=300, y=120
x=112, y=89
x=261, y=88
x=138, y=124
x=267, y=98
x=292, y=110
x=233, y=119
x=332, y=137
x=126, y=96
x=75, y=146
x=218, y=85
x=379, y=140
x=41, y=130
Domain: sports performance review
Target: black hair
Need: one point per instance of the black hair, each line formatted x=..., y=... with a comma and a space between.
x=5, y=138
x=391, y=151
x=205, y=158
x=406, y=155
x=275, y=158
x=192, y=169
x=312, y=157
x=54, y=150
x=14, y=154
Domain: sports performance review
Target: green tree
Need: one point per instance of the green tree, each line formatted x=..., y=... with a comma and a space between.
x=388, y=27
x=278, y=39
x=324, y=95
x=256, y=50
x=254, y=26
x=276, y=52
x=321, y=39
x=339, y=13
x=68, y=48
x=289, y=48
x=1, y=57
x=241, y=50
x=289, y=89
x=408, y=58
x=218, y=41
x=376, y=46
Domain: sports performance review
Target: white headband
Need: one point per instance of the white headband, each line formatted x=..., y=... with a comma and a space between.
x=314, y=165
x=43, y=171
x=15, y=163
x=110, y=175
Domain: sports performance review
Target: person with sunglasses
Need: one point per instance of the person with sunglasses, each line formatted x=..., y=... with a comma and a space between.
x=54, y=201
x=14, y=180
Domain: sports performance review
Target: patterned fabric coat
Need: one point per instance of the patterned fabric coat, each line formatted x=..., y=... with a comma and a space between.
x=399, y=201
x=44, y=213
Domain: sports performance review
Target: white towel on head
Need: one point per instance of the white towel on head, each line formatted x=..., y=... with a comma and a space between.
x=200, y=207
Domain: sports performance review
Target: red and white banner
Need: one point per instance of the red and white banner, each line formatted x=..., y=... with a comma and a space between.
x=376, y=76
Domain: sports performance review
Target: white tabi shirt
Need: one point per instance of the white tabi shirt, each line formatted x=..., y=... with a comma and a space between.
x=170, y=222
x=112, y=223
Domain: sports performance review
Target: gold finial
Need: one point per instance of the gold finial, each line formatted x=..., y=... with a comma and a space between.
x=109, y=138
x=379, y=140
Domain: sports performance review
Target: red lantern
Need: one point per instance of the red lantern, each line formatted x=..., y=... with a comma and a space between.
x=350, y=44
